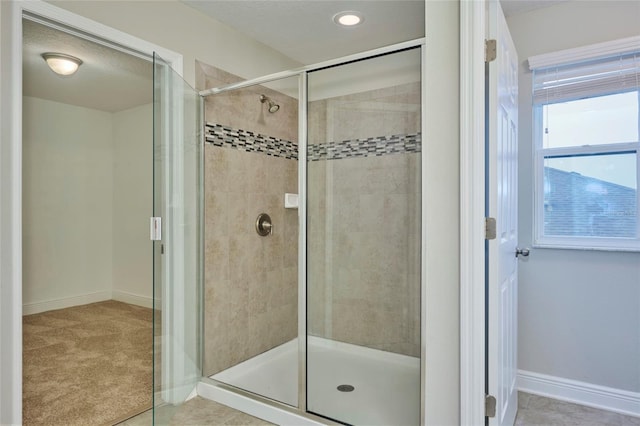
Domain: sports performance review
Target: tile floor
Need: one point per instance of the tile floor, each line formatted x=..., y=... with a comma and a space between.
x=533, y=410
x=536, y=410
x=197, y=411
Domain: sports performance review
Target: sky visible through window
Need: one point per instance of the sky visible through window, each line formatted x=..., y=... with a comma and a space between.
x=594, y=121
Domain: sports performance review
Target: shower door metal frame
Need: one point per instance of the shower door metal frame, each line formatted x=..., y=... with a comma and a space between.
x=302, y=242
x=301, y=409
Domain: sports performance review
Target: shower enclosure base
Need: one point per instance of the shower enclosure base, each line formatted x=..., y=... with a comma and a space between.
x=386, y=386
x=274, y=414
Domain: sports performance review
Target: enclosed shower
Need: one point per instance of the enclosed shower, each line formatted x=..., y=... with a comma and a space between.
x=311, y=240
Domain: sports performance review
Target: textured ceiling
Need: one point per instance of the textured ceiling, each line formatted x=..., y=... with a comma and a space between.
x=108, y=80
x=304, y=30
x=514, y=7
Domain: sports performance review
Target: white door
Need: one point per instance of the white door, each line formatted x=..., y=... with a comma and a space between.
x=502, y=288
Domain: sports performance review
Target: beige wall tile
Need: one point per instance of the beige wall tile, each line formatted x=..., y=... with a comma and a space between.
x=364, y=225
x=242, y=108
x=251, y=281
x=364, y=235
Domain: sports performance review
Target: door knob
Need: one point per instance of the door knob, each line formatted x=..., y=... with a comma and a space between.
x=522, y=252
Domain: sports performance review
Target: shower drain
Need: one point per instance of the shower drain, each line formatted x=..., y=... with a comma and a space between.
x=346, y=388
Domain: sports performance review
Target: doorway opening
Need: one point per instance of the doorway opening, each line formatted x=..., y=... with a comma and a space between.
x=87, y=260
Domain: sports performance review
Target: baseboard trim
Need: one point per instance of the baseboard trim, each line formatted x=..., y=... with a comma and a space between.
x=582, y=393
x=132, y=299
x=65, y=302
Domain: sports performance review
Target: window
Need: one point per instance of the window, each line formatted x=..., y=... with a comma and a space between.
x=587, y=153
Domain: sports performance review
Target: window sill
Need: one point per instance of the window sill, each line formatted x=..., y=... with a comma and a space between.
x=585, y=247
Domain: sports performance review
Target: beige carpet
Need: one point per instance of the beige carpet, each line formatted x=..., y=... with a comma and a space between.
x=87, y=365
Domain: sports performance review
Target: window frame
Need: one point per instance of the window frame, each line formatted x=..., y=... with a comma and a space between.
x=540, y=240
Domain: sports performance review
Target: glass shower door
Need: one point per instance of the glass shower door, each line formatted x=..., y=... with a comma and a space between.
x=364, y=240
x=177, y=182
x=251, y=287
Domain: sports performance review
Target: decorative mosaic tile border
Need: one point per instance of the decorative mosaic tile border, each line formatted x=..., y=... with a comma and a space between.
x=245, y=140
x=378, y=146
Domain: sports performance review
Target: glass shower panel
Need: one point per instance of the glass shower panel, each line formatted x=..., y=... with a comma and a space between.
x=363, y=245
x=251, y=237
x=177, y=254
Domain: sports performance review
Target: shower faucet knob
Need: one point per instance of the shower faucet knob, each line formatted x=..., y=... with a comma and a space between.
x=264, y=226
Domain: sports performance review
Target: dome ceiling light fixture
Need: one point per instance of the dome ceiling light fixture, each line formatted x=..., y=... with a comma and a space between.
x=62, y=64
x=348, y=18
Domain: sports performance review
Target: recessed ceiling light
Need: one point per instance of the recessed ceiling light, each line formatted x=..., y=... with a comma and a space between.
x=348, y=18
x=62, y=64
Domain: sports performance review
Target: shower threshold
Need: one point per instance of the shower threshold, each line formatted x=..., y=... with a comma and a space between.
x=346, y=382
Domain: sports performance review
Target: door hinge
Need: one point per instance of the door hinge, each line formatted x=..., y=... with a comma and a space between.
x=490, y=50
x=490, y=228
x=489, y=406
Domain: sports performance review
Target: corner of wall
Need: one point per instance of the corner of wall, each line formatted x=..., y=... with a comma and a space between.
x=132, y=259
x=441, y=140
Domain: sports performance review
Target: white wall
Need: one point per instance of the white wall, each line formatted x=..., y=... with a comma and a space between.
x=67, y=204
x=178, y=27
x=87, y=199
x=579, y=311
x=441, y=142
x=132, y=205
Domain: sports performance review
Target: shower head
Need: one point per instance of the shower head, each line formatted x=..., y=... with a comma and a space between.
x=273, y=107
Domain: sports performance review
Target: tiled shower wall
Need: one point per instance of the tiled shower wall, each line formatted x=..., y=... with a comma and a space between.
x=363, y=223
x=364, y=219
x=251, y=292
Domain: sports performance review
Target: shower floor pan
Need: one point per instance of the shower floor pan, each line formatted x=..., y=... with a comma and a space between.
x=378, y=387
